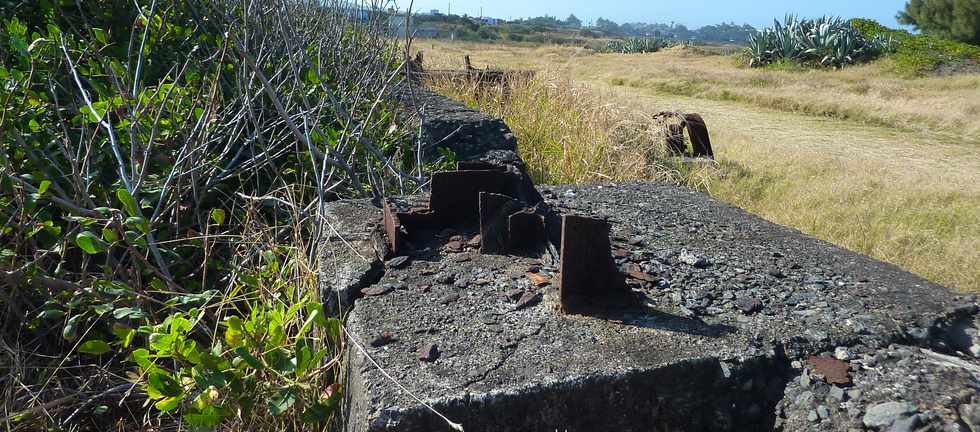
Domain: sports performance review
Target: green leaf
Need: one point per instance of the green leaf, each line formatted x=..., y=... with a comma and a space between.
x=109, y=235
x=317, y=413
x=50, y=314
x=169, y=404
x=142, y=358
x=315, y=310
x=164, y=384
x=128, y=312
x=128, y=202
x=163, y=344
x=334, y=328
x=53, y=31
x=71, y=328
x=100, y=35
x=282, y=401
x=138, y=223
x=249, y=358
x=218, y=215
x=307, y=324
x=102, y=309
x=124, y=333
x=43, y=187
x=94, y=347
x=90, y=243
x=208, y=418
x=100, y=410
x=304, y=357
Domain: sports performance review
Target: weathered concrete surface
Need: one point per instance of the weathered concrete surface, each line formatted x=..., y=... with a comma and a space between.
x=731, y=302
x=450, y=124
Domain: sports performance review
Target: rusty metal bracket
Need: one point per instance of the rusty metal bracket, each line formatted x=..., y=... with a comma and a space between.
x=508, y=226
x=495, y=210
x=588, y=277
x=696, y=129
x=455, y=200
x=700, y=141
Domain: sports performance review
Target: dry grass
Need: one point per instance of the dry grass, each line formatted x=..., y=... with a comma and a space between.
x=878, y=164
x=948, y=106
x=569, y=134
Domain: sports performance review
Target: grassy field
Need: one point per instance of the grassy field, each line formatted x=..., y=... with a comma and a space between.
x=877, y=163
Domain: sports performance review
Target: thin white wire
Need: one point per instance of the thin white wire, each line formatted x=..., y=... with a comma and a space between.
x=454, y=426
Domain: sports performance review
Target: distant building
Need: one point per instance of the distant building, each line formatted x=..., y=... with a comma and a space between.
x=435, y=12
x=397, y=24
x=490, y=21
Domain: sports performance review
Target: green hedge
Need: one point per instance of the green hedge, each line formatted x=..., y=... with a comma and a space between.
x=921, y=54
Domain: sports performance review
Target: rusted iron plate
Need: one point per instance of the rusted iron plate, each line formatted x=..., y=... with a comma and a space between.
x=833, y=370
x=455, y=194
x=675, y=139
x=494, y=212
x=698, y=131
x=588, y=277
x=393, y=230
x=526, y=231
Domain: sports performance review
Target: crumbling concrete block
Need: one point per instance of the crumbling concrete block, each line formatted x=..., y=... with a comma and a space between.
x=687, y=356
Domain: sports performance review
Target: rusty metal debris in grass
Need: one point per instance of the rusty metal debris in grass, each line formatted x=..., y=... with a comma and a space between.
x=486, y=77
x=697, y=131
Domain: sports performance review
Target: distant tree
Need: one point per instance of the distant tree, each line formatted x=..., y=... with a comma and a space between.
x=573, y=21
x=950, y=19
x=607, y=25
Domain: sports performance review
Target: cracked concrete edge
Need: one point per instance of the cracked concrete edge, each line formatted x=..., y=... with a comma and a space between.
x=599, y=401
x=707, y=393
x=351, y=254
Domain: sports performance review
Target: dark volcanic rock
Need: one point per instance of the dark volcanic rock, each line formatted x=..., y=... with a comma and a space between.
x=749, y=306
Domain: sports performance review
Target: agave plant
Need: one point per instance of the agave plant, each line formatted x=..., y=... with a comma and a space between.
x=634, y=46
x=828, y=41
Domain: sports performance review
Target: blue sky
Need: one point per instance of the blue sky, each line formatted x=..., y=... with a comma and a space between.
x=692, y=13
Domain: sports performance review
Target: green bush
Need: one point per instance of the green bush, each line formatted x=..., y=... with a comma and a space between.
x=162, y=182
x=921, y=54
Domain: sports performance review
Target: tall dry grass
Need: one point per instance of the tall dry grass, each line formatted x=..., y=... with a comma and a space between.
x=569, y=134
x=947, y=106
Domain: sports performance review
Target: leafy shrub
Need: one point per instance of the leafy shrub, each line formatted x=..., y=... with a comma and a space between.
x=162, y=183
x=488, y=33
x=920, y=54
x=634, y=46
x=825, y=41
